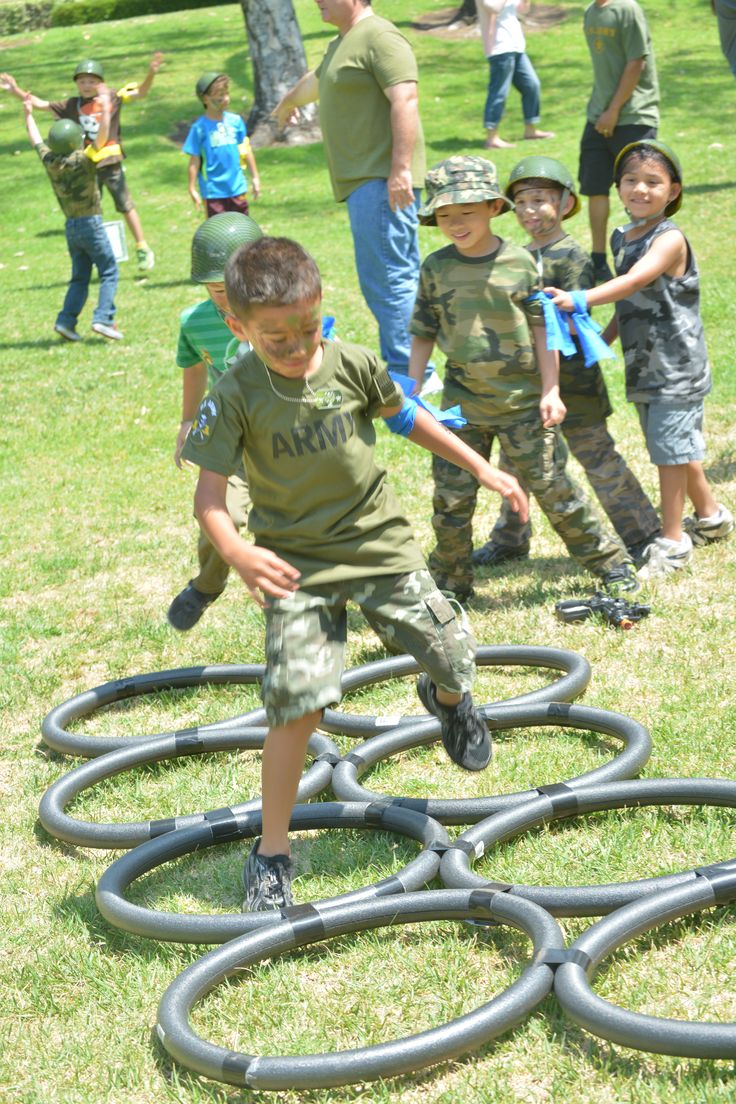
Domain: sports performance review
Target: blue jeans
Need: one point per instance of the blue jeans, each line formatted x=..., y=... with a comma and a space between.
x=387, y=262
x=89, y=245
x=505, y=70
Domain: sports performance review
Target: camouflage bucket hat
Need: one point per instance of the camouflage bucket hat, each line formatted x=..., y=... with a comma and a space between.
x=460, y=179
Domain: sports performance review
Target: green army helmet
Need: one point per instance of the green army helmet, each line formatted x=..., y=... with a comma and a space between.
x=89, y=67
x=460, y=179
x=65, y=136
x=540, y=167
x=205, y=82
x=666, y=152
x=216, y=240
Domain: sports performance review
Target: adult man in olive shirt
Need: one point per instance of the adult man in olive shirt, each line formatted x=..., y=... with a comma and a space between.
x=623, y=106
x=367, y=87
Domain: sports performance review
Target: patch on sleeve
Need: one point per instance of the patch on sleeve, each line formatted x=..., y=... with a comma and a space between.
x=388, y=392
x=205, y=421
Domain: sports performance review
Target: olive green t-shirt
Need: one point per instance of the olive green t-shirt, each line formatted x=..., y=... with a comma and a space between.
x=355, y=113
x=617, y=33
x=320, y=501
x=565, y=264
x=476, y=310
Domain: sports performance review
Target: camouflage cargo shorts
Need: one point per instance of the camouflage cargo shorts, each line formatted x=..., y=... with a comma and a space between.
x=306, y=635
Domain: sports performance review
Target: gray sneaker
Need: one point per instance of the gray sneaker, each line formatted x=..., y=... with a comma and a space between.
x=464, y=732
x=188, y=606
x=67, y=332
x=620, y=580
x=266, y=881
x=704, y=530
x=663, y=557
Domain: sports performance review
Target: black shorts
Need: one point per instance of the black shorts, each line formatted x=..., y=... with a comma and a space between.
x=598, y=155
x=112, y=177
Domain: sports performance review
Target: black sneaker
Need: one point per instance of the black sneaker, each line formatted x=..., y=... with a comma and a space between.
x=187, y=608
x=464, y=732
x=491, y=554
x=620, y=580
x=266, y=881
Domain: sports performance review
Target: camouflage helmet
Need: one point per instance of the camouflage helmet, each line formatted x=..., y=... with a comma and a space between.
x=539, y=167
x=65, y=136
x=216, y=240
x=91, y=68
x=205, y=82
x=461, y=179
x=645, y=144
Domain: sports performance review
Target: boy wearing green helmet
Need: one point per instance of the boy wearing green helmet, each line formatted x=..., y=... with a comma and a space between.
x=657, y=296
x=219, y=149
x=73, y=178
x=204, y=348
x=544, y=195
x=86, y=110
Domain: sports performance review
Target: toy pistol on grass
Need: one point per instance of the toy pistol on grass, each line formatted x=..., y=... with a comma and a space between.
x=615, y=611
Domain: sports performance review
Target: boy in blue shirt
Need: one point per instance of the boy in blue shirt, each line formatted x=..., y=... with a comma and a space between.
x=218, y=146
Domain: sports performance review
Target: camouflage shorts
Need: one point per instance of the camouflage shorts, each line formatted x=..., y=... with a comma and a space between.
x=306, y=636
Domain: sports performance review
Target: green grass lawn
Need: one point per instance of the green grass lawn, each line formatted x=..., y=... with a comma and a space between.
x=97, y=537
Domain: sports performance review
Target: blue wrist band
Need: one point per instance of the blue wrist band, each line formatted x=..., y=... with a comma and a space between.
x=402, y=422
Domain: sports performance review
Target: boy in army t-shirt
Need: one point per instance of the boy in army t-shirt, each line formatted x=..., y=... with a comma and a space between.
x=477, y=301
x=327, y=528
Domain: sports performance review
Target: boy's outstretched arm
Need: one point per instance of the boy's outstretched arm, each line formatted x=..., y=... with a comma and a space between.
x=552, y=409
x=34, y=134
x=145, y=86
x=262, y=571
x=667, y=255
x=436, y=438
x=10, y=84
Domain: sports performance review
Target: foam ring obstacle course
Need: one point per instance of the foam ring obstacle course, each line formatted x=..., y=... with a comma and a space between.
x=224, y=827
x=558, y=801
x=712, y=885
x=58, y=796
x=636, y=752
x=574, y=680
x=302, y=925
x=56, y=735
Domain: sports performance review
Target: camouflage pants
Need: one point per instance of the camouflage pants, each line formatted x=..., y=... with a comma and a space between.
x=540, y=457
x=306, y=635
x=213, y=571
x=618, y=490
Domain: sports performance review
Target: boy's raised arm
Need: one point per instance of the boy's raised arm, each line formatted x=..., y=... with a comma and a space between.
x=34, y=134
x=433, y=436
x=10, y=84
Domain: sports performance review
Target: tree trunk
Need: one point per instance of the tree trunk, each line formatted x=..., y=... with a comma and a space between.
x=278, y=60
x=467, y=12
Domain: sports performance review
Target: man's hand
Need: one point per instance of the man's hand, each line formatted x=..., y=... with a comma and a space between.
x=265, y=573
x=400, y=190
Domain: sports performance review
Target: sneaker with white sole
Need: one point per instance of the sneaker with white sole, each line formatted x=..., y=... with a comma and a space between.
x=464, y=732
x=108, y=330
x=704, y=530
x=266, y=881
x=67, y=332
x=664, y=557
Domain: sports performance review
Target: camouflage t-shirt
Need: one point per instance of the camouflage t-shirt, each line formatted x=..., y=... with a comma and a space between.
x=73, y=178
x=320, y=501
x=660, y=328
x=476, y=310
x=565, y=264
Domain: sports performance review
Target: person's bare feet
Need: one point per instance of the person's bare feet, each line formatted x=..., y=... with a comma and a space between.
x=494, y=142
x=536, y=134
